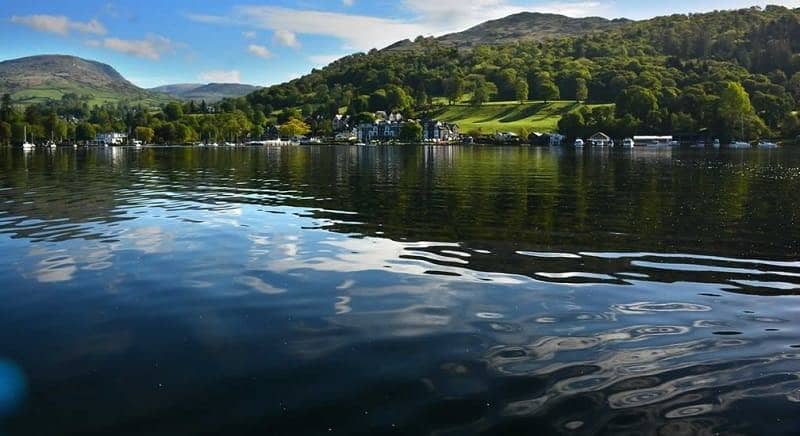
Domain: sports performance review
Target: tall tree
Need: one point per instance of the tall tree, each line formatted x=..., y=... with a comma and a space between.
x=453, y=89
x=734, y=108
x=581, y=90
x=521, y=90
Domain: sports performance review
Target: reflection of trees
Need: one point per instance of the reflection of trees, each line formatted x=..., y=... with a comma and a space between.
x=54, y=186
x=484, y=197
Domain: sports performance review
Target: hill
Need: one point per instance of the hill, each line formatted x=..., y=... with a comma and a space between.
x=210, y=92
x=524, y=26
x=718, y=73
x=506, y=116
x=48, y=77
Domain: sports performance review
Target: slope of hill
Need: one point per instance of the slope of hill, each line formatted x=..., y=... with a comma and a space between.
x=506, y=116
x=210, y=92
x=715, y=72
x=47, y=77
x=524, y=26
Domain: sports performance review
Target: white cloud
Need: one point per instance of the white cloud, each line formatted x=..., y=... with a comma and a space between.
x=362, y=32
x=209, y=19
x=356, y=31
x=322, y=60
x=249, y=35
x=152, y=47
x=348, y=3
x=285, y=38
x=221, y=76
x=259, y=50
x=60, y=24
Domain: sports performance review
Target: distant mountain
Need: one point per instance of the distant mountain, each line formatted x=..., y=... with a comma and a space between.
x=48, y=77
x=209, y=92
x=525, y=26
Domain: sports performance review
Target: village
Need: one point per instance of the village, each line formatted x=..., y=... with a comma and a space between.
x=392, y=128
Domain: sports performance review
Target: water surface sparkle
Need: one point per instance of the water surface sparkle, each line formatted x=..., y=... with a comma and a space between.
x=307, y=290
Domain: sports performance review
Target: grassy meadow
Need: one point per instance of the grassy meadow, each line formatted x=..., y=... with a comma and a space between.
x=507, y=116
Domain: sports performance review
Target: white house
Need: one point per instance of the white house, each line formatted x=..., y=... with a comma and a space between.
x=506, y=137
x=438, y=131
x=380, y=130
x=111, y=138
x=341, y=123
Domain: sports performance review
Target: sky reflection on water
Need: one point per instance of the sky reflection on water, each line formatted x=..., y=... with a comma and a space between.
x=452, y=290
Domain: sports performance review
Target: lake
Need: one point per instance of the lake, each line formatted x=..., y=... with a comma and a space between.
x=407, y=290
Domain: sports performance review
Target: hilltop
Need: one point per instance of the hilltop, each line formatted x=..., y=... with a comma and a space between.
x=722, y=73
x=521, y=27
x=48, y=77
x=210, y=92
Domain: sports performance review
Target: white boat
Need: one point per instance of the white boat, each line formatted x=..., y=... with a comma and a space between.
x=655, y=141
x=716, y=143
x=52, y=145
x=627, y=143
x=27, y=145
x=739, y=145
x=213, y=144
x=579, y=142
x=767, y=144
x=360, y=144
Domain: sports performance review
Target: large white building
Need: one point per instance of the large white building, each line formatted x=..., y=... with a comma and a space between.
x=111, y=138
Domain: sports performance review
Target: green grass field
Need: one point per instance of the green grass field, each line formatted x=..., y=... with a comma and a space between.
x=507, y=116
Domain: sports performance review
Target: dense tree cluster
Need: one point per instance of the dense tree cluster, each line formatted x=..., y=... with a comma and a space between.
x=665, y=75
x=726, y=74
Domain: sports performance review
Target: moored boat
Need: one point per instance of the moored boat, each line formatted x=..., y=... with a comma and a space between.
x=25, y=144
x=739, y=145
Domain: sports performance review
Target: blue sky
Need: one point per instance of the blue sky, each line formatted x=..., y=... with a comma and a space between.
x=178, y=41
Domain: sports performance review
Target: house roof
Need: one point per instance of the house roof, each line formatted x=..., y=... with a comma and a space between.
x=600, y=136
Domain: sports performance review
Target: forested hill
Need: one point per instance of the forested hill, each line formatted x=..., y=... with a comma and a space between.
x=48, y=77
x=525, y=26
x=681, y=73
x=208, y=92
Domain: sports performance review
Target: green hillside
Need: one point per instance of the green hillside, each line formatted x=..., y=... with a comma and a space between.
x=723, y=73
x=507, y=115
x=39, y=79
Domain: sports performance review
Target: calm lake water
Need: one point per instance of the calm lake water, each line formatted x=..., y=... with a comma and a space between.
x=446, y=290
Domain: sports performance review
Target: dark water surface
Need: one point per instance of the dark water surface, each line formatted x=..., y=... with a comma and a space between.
x=319, y=290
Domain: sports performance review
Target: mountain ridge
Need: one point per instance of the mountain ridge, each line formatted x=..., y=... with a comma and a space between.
x=522, y=26
x=48, y=77
x=210, y=92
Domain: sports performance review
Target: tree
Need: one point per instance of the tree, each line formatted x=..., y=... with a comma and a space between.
x=547, y=90
x=636, y=101
x=581, y=90
x=5, y=133
x=397, y=99
x=173, y=111
x=6, y=109
x=521, y=90
x=293, y=128
x=572, y=124
x=734, y=107
x=257, y=131
x=85, y=131
x=453, y=89
x=411, y=132
x=145, y=134
x=482, y=90
x=364, y=117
